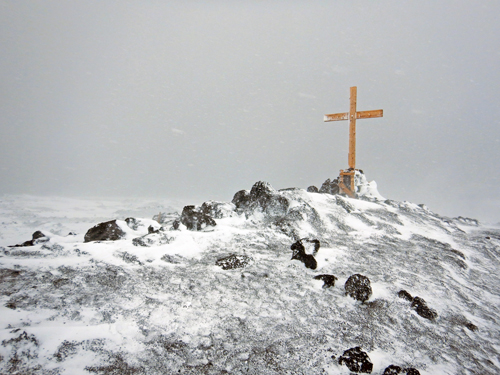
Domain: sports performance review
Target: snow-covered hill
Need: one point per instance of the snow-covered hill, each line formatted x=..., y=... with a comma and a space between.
x=229, y=299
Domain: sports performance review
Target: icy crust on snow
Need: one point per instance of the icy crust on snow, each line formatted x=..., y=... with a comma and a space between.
x=68, y=307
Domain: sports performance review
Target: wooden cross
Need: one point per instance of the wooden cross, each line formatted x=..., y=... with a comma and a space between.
x=352, y=116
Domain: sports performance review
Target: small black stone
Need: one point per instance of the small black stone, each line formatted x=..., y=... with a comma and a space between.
x=405, y=295
x=392, y=370
x=422, y=309
x=329, y=280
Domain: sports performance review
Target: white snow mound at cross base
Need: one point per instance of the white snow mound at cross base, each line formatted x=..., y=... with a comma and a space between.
x=69, y=307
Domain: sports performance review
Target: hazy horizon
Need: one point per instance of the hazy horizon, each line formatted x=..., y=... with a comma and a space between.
x=201, y=99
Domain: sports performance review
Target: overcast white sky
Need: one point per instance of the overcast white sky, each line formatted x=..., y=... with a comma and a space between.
x=200, y=99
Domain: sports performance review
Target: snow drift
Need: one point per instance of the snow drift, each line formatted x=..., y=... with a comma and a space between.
x=228, y=298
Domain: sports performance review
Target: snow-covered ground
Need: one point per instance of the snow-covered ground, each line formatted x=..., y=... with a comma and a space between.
x=110, y=307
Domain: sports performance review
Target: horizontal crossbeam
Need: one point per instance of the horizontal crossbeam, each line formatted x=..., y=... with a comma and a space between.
x=359, y=115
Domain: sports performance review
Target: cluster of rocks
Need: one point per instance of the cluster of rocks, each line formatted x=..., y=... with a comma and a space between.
x=356, y=360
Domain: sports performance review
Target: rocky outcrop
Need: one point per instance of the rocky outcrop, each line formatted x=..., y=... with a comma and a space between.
x=356, y=360
x=233, y=261
x=107, y=231
x=358, y=287
x=36, y=238
x=194, y=219
x=218, y=210
x=330, y=187
x=262, y=197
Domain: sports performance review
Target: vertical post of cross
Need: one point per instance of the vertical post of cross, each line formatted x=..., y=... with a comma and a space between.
x=352, y=129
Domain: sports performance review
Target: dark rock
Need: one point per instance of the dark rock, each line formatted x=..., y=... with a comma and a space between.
x=405, y=295
x=299, y=253
x=37, y=237
x=194, y=219
x=176, y=224
x=241, y=199
x=151, y=230
x=411, y=371
x=107, y=231
x=356, y=360
x=358, y=287
x=233, y=261
x=218, y=210
x=392, y=370
x=262, y=197
x=329, y=280
x=330, y=187
x=306, y=246
x=422, y=309
x=471, y=326
x=312, y=189
x=38, y=234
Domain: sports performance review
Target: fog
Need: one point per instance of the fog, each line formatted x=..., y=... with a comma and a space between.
x=197, y=100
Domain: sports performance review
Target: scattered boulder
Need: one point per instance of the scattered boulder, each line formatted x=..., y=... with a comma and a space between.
x=358, y=287
x=392, y=370
x=299, y=253
x=107, y=231
x=330, y=187
x=37, y=237
x=396, y=370
x=420, y=306
x=312, y=189
x=194, y=219
x=218, y=210
x=470, y=326
x=329, y=280
x=262, y=197
x=356, y=360
x=405, y=295
x=233, y=261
